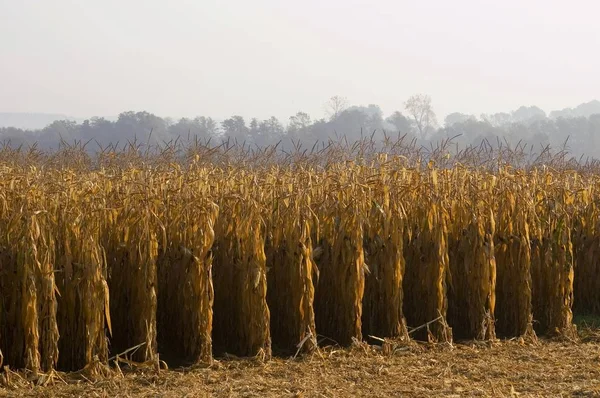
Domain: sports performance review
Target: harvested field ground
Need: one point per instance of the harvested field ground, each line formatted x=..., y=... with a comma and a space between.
x=503, y=369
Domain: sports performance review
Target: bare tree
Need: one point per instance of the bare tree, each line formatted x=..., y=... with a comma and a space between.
x=420, y=109
x=336, y=106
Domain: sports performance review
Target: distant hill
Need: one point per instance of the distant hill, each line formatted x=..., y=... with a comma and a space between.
x=584, y=110
x=32, y=121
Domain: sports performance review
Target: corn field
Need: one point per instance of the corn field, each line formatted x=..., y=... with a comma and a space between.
x=216, y=252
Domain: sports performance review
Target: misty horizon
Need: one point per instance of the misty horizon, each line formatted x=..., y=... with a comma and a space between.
x=39, y=120
x=575, y=130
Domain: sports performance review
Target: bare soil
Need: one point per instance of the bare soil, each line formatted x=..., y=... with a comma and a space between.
x=501, y=369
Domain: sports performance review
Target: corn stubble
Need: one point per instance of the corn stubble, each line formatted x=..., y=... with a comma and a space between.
x=236, y=254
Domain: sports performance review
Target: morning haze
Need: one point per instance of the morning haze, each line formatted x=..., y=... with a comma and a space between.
x=265, y=58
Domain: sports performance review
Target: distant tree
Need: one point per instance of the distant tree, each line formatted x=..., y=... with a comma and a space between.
x=497, y=119
x=254, y=129
x=374, y=118
x=201, y=128
x=299, y=128
x=468, y=132
x=100, y=123
x=595, y=122
x=183, y=128
x=207, y=125
x=528, y=114
x=143, y=127
x=457, y=117
x=539, y=140
x=320, y=130
x=60, y=130
x=235, y=128
x=15, y=136
x=565, y=113
x=269, y=132
x=586, y=109
x=336, y=106
x=593, y=134
x=399, y=122
x=421, y=111
x=354, y=121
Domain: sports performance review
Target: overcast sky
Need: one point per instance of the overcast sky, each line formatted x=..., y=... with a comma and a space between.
x=276, y=57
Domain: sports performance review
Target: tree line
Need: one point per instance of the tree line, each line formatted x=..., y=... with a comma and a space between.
x=575, y=129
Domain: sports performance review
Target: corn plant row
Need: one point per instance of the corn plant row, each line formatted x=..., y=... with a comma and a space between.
x=183, y=262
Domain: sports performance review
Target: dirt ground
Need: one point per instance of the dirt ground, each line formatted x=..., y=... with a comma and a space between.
x=502, y=369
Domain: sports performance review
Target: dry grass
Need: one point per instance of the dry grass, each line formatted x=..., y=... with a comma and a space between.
x=507, y=369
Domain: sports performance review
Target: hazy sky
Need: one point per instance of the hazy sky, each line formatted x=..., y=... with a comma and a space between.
x=276, y=57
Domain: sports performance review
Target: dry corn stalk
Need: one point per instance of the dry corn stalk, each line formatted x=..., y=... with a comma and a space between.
x=27, y=276
x=340, y=291
x=552, y=259
x=426, y=254
x=290, y=265
x=586, y=246
x=83, y=304
x=130, y=238
x=514, y=313
x=241, y=314
x=185, y=296
x=383, y=314
x=472, y=276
